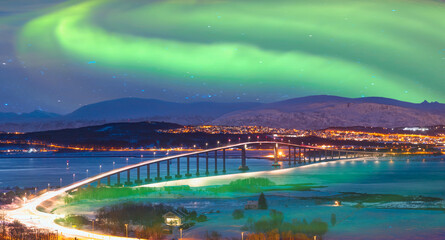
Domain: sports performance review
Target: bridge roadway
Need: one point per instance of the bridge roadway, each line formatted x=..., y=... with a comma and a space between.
x=29, y=215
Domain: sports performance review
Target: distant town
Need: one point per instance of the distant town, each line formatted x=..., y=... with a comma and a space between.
x=416, y=140
x=429, y=135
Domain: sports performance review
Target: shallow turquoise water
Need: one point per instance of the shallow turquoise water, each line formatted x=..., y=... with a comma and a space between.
x=402, y=175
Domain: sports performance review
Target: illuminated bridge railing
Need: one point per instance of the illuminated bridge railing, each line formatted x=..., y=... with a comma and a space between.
x=161, y=169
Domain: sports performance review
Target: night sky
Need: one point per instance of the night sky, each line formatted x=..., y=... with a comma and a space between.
x=59, y=55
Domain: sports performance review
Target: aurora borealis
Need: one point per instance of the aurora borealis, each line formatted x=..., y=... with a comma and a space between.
x=233, y=50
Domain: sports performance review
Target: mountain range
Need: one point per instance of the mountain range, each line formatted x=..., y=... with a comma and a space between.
x=312, y=112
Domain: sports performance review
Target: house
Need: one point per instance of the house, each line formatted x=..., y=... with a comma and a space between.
x=174, y=218
x=251, y=205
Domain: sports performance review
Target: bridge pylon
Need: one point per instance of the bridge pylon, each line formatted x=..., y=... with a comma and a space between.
x=243, y=166
x=275, y=156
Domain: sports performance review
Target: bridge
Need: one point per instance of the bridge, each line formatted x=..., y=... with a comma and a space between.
x=296, y=155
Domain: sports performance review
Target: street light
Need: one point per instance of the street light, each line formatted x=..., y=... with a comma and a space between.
x=74, y=177
x=180, y=233
x=126, y=230
x=242, y=235
x=60, y=182
x=87, y=173
x=114, y=163
x=100, y=168
x=126, y=160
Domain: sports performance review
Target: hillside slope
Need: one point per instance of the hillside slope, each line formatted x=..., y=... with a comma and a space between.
x=317, y=112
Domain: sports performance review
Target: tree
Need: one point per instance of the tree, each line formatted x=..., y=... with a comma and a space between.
x=359, y=205
x=238, y=214
x=276, y=218
x=262, y=204
x=17, y=230
x=192, y=215
x=333, y=219
x=3, y=222
x=201, y=218
x=214, y=235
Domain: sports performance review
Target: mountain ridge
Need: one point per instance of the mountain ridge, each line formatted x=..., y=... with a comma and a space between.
x=309, y=112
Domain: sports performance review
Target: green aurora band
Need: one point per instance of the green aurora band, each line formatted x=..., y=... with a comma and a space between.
x=295, y=47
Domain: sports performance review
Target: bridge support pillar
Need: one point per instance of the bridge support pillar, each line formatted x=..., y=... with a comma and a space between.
x=188, y=167
x=243, y=166
x=118, y=179
x=178, y=168
x=197, y=164
x=339, y=155
x=108, y=181
x=158, y=172
x=305, y=155
x=128, y=182
x=295, y=155
x=299, y=155
x=275, y=156
x=289, y=155
x=207, y=163
x=138, y=180
x=325, y=154
x=148, y=179
x=309, y=155
x=98, y=183
x=216, y=162
x=332, y=154
x=224, y=160
x=168, y=170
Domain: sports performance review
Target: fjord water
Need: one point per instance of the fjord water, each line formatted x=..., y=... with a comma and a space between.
x=63, y=169
x=407, y=175
x=387, y=219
